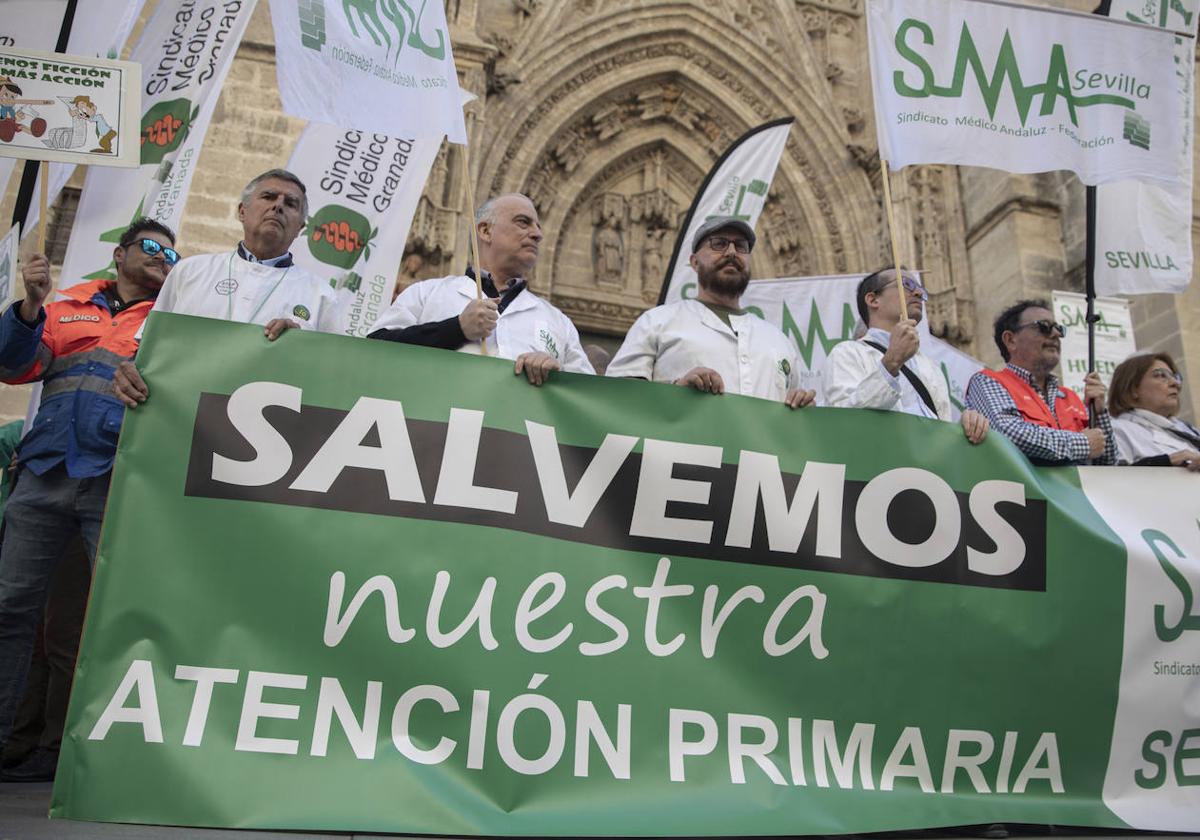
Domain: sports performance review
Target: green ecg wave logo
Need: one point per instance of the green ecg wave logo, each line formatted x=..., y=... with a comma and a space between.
x=1005, y=74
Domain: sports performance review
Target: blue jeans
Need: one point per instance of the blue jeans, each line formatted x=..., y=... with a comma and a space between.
x=43, y=513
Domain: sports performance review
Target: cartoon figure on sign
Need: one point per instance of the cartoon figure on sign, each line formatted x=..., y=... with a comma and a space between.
x=69, y=137
x=11, y=118
x=82, y=106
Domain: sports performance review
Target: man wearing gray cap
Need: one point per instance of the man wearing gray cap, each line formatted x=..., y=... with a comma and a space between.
x=710, y=343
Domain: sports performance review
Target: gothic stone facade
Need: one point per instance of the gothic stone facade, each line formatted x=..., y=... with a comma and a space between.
x=608, y=113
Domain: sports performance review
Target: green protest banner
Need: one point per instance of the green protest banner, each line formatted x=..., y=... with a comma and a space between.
x=350, y=585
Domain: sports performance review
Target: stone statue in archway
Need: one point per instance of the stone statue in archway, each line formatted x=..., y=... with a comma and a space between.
x=608, y=254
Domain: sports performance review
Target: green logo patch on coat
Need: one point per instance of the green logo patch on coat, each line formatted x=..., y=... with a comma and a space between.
x=301, y=312
x=548, y=342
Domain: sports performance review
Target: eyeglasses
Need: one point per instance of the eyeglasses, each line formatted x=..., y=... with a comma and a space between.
x=912, y=286
x=1046, y=328
x=1163, y=373
x=151, y=248
x=721, y=243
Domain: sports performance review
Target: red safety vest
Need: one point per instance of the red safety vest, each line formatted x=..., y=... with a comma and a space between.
x=1071, y=414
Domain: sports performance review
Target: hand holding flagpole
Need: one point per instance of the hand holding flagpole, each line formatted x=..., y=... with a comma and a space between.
x=474, y=240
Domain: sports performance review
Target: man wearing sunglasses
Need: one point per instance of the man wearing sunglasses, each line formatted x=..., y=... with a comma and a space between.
x=710, y=343
x=886, y=370
x=1025, y=400
x=73, y=346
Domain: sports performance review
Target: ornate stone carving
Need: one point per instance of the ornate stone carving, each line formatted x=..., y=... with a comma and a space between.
x=856, y=121
x=526, y=7
x=432, y=231
x=719, y=78
x=609, y=213
x=853, y=8
x=654, y=262
x=933, y=204
x=591, y=314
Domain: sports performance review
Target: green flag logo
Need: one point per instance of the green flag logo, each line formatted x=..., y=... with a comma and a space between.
x=164, y=128
x=1137, y=130
x=1060, y=84
x=338, y=236
x=392, y=24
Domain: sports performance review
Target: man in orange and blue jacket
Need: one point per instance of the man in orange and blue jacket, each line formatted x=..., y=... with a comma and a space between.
x=72, y=346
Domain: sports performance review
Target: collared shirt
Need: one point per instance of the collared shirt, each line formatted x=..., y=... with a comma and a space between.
x=1040, y=444
x=282, y=261
x=853, y=376
x=752, y=356
x=528, y=324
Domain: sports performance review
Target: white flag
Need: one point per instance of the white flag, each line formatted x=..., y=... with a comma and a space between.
x=737, y=185
x=1024, y=89
x=363, y=190
x=817, y=313
x=1144, y=231
x=99, y=29
x=178, y=98
x=381, y=67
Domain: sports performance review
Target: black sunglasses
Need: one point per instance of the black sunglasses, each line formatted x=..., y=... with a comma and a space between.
x=1046, y=328
x=151, y=248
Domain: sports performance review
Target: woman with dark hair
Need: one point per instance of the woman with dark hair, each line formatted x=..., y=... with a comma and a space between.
x=1144, y=401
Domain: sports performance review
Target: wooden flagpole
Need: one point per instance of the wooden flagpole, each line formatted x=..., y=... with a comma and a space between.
x=474, y=241
x=43, y=202
x=891, y=218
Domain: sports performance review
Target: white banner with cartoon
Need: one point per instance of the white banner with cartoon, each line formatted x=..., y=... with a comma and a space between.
x=1024, y=89
x=100, y=28
x=28, y=25
x=363, y=190
x=179, y=93
x=373, y=65
x=67, y=108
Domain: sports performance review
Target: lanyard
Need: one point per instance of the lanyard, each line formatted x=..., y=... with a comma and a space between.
x=261, y=303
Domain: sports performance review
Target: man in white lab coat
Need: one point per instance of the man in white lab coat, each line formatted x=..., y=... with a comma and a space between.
x=885, y=368
x=510, y=320
x=256, y=283
x=710, y=343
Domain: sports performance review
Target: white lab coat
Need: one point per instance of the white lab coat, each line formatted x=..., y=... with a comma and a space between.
x=528, y=324
x=229, y=288
x=853, y=376
x=752, y=356
x=1143, y=434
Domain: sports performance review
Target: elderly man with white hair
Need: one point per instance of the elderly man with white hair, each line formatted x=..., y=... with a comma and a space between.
x=511, y=321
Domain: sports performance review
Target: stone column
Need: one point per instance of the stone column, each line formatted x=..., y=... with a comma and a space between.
x=1014, y=244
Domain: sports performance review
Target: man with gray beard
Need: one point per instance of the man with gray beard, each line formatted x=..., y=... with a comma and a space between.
x=710, y=343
